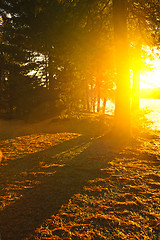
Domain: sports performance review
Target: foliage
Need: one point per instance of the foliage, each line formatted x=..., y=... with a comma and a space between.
x=61, y=53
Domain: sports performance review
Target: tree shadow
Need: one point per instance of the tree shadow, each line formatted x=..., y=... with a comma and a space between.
x=43, y=188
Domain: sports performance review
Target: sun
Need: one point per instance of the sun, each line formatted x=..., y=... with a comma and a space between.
x=151, y=79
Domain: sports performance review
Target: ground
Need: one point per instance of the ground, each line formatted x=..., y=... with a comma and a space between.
x=62, y=179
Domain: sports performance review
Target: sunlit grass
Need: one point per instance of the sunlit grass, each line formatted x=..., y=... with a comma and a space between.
x=116, y=193
x=19, y=147
x=124, y=204
x=24, y=145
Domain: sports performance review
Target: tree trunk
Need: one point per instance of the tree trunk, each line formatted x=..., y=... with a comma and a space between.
x=136, y=78
x=94, y=104
x=123, y=91
x=98, y=103
x=1, y=77
x=98, y=94
x=46, y=71
x=92, y=95
x=51, y=73
x=87, y=98
x=0, y=87
x=104, y=105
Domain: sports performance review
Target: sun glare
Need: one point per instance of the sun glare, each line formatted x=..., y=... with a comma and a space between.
x=151, y=79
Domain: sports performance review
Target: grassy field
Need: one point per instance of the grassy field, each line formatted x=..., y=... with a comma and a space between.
x=62, y=179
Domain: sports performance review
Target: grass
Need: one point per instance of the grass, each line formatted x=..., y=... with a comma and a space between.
x=62, y=179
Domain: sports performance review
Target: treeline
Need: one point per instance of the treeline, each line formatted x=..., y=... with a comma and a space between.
x=59, y=55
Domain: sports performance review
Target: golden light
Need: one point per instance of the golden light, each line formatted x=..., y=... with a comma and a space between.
x=151, y=79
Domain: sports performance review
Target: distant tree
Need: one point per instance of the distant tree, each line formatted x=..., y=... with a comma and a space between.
x=16, y=85
x=61, y=36
x=93, y=50
x=143, y=22
x=62, y=50
x=27, y=59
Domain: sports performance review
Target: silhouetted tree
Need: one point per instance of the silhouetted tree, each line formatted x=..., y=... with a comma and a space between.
x=123, y=96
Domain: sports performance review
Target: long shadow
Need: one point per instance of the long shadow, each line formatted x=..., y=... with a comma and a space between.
x=33, y=160
x=20, y=219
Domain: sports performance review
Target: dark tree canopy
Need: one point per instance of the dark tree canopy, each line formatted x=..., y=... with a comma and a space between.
x=60, y=55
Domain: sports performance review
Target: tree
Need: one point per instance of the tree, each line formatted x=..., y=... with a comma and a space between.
x=123, y=91
x=24, y=52
x=143, y=30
